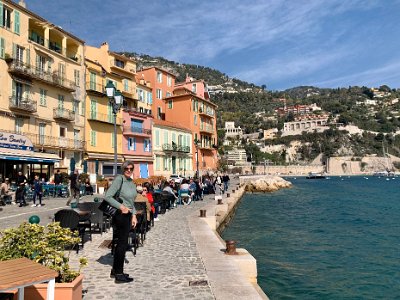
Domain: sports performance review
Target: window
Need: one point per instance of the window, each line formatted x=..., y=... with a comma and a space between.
x=40, y=63
x=136, y=126
x=157, y=133
x=19, y=53
x=146, y=145
x=166, y=165
x=63, y=131
x=132, y=144
x=93, y=138
x=5, y=16
x=159, y=77
x=140, y=95
x=168, y=94
x=61, y=102
x=16, y=22
x=42, y=131
x=77, y=77
x=165, y=137
x=92, y=81
x=119, y=63
x=170, y=104
x=194, y=88
x=195, y=119
x=75, y=106
x=159, y=94
x=43, y=97
x=169, y=80
x=150, y=98
x=158, y=163
x=126, y=85
x=159, y=112
x=93, y=109
x=19, y=124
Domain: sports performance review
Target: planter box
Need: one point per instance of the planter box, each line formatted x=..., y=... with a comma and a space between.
x=64, y=291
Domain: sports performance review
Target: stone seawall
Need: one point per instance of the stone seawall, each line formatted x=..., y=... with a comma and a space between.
x=235, y=276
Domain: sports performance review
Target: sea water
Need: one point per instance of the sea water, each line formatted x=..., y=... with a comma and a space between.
x=336, y=238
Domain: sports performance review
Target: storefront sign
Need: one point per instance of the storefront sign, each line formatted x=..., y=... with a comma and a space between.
x=15, y=141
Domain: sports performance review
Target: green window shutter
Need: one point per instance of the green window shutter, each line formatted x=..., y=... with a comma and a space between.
x=1, y=14
x=14, y=89
x=28, y=56
x=157, y=138
x=14, y=50
x=16, y=22
x=2, y=47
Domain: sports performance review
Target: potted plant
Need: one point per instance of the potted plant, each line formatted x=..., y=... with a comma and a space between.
x=8, y=58
x=45, y=245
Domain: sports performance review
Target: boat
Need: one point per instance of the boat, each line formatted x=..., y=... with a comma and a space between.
x=315, y=175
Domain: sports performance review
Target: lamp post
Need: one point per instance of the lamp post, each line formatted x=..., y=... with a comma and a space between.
x=115, y=97
x=196, y=144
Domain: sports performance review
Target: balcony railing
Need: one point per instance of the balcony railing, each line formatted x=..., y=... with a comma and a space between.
x=53, y=46
x=131, y=130
x=206, y=112
x=63, y=114
x=95, y=87
x=54, y=78
x=104, y=118
x=206, y=128
x=23, y=104
x=39, y=140
x=176, y=148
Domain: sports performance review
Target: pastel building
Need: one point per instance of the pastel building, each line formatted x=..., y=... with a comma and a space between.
x=172, y=149
x=162, y=83
x=42, y=93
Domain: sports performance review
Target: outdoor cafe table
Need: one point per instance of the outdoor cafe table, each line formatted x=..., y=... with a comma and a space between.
x=21, y=272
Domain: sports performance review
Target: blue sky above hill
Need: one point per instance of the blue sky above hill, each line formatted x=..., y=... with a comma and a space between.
x=282, y=44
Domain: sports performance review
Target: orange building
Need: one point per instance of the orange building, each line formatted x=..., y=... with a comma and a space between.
x=198, y=115
x=162, y=83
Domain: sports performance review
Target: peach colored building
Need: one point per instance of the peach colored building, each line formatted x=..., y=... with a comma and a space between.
x=198, y=115
x=162, y=83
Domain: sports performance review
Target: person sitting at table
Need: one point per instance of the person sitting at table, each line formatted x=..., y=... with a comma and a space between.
x=5, y=191
x=124, y=219
x=148, y=192
x=185, y=189
x=142, y=198
x=88, y=187
x=169, y=193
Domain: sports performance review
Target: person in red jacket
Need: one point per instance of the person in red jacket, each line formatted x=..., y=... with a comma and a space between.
x=147, y=191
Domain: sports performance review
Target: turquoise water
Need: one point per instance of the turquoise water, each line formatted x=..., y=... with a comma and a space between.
x=324, y=239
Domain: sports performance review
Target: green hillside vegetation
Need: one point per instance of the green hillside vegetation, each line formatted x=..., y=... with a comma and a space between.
x=345, y=106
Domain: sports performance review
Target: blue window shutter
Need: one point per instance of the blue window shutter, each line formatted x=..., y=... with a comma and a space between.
x=16, y=21
x=134, y=144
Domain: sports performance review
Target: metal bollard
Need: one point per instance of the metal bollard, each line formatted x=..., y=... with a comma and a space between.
x=233, y=191
x=219, y=202
x=203, y=213
x=230, y=248
x=228, y=195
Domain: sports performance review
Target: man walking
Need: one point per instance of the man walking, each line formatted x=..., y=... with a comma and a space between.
x=20, y=193
x=74, y=185
x=226, y=180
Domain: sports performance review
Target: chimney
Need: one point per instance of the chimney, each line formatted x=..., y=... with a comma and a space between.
x=22, y=3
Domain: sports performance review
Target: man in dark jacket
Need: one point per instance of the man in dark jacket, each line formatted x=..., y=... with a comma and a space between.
x=225, y=179
x=74, y=185
x=20, y=193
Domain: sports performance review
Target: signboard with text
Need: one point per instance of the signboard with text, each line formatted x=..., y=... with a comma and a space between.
x=15, y=141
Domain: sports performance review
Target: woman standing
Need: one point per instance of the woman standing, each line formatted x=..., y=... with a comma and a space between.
x=124, y=219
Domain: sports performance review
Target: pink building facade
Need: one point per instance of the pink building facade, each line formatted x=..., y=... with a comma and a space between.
x=136, y=141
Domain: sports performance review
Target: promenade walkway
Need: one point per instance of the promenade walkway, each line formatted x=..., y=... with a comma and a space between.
x=168, y=266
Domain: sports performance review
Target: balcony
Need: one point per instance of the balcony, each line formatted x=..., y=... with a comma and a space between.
x=95, y=88
x=176, y=148
x=104, y=118
x=19, y=68
x=129, y=92
x=40, y=141
x=205, y=128
x=63, y=114
x=129, y=130
x=206, y=147
x=206, y=112
x=22, y=104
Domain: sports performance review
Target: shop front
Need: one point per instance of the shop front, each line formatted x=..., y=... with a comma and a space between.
x=16, y=154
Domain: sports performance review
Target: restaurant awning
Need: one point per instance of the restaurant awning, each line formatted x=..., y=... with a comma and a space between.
x=28, y=156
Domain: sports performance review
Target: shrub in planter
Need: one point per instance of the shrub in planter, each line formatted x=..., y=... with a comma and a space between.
x=43, y=244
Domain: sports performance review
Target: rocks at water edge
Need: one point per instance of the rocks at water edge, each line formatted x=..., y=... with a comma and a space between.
x=267, y=184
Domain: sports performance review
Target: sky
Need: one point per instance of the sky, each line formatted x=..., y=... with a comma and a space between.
x=277, y=43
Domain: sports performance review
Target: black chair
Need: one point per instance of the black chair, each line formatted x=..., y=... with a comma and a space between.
x=68, y=218
x=97, y=216
x=141, y=216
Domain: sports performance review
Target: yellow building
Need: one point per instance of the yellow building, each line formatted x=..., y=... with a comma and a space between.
x=104, y=66
x=42, y=91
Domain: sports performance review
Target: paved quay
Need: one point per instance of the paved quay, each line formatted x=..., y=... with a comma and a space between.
x=174, y=262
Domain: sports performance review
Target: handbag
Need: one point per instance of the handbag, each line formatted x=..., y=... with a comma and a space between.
x=107, y=208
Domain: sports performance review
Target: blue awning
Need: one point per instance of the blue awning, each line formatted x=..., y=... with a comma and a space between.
x=28, y=156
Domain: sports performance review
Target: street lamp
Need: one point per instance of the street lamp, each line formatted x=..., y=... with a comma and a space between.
x=196, y=144
x=115, y=98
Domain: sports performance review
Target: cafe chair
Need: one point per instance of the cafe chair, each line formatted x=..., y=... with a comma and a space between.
x=183, y=196
x=69, y=218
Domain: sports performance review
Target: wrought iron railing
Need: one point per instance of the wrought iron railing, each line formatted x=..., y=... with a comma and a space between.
x=22, y=103
x=63, y=113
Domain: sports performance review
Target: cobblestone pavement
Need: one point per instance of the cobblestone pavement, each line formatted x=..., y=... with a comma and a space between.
x=162, y=268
